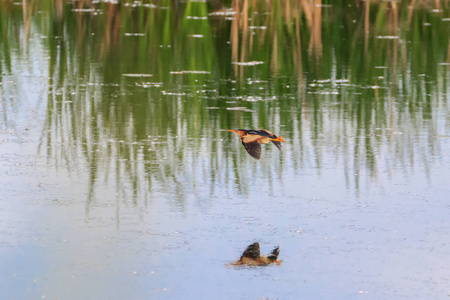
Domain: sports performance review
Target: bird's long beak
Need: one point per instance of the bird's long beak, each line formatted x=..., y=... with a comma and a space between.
x=231, y=130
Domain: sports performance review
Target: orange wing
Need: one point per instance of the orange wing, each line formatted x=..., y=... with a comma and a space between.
x=251, y=138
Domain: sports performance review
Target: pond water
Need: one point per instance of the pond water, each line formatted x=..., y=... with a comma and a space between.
x=119, y=180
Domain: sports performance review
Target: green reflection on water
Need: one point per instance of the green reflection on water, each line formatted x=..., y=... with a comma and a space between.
x=141, y=94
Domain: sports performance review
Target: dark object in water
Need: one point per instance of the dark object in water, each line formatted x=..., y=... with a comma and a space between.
x=252, y=256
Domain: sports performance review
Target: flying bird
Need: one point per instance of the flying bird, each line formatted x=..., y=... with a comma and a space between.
x=252, y=256
x=252, y=140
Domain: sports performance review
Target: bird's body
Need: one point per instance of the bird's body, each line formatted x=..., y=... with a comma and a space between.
x=252, y=256
x=251, y=139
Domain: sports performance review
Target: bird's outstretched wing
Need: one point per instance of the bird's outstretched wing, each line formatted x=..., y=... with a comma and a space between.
x=254, y=149
x=252, y=251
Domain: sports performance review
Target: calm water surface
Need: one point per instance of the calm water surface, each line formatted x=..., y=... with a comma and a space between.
x=119, y=181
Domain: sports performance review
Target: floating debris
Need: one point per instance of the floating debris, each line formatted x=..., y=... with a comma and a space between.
x=136, y=4
x=223, y=13
x=253, y=99
x=240, y=108
x=257, y=81
x=134, y=34
x=84, y=10
x=190, y=72
x=149, y=84
x=257, y=27
x=197, y=35
x=388, y=37
x=196, y=18
x=137, y=75
x=363, y=292
x=325, y=93
x=173, y=94
x=248, y=63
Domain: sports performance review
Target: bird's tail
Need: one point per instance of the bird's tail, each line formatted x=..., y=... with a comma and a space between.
x=278, y=139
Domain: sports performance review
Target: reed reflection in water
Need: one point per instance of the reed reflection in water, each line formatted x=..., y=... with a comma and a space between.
x=133, y=120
